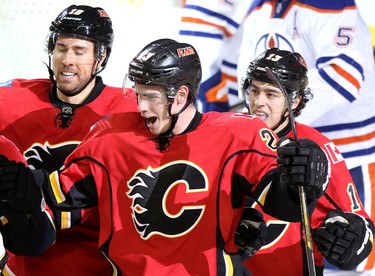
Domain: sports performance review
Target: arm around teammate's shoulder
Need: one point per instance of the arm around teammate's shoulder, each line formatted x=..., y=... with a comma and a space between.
x=26, y=226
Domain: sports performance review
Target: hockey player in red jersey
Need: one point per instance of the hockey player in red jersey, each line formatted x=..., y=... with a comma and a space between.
x=48, y=118
x=9, y=149
x=342, y=230
x=336, y=44
x=170, y=182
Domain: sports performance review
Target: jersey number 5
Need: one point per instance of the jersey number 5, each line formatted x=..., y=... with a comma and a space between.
x=344, y=36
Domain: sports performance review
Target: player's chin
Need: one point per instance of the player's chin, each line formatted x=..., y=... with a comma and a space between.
x=69, y=87
x=150, y=127
x=154, y=131
x=157, y=128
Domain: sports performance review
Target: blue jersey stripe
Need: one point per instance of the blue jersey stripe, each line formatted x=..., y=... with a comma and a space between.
x=348, y=126
x=257, y=4
x=214, y=14
x=211, y=82
x=345, y=58
x=357, y=153
x=328, y=5
x=229, y=64
x=357, y=176
x=336, y=86
x=324, y=5
x=233, y=92
x=201, y=34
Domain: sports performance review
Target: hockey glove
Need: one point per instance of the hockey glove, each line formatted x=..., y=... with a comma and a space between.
x=3, y=255
x=303, y=163
x=251, y=233
x=19, y=194
x=345, y=240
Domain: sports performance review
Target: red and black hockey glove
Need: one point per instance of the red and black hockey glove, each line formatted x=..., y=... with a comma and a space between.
x=345, y=240
x=19, y=194
x=303, y=163
x=3, y=255
x=251, y=233
x=28, y=229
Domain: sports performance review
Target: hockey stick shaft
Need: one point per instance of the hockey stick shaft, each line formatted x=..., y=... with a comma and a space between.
x=301, y=190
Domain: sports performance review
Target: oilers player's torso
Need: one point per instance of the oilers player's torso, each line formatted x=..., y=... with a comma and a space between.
x=298, y=26
x=290, y=25
x=270, y=24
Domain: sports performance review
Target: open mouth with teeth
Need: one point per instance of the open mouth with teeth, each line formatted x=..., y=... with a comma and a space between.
x=68, y=74
x=262, y=116
x=150, y=121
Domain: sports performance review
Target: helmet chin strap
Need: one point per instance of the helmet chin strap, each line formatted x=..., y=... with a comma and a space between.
x=162, y=140
x=66, y=93
x=282, y=120
x=174, y=116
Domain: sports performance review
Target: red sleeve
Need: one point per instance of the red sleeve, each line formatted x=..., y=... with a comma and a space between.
x=341, y=192
x=9, y=149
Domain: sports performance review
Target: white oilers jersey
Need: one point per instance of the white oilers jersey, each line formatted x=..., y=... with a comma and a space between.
x=213, y=27
x=337, y=47
x=330, y=35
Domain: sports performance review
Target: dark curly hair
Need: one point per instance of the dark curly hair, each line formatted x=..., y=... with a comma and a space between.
x=306, y=95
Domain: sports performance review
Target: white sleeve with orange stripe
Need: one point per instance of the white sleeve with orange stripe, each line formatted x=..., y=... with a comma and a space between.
x=210, y=26
x=341, y=63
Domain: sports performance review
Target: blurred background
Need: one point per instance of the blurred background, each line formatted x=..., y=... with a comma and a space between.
x=24, y=26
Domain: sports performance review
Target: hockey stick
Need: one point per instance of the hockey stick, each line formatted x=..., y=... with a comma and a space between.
x=301, y=190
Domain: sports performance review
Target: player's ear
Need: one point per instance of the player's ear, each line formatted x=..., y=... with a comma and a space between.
x=296, y=102
x=102, y=58
x=182, y=94
x=102, y=55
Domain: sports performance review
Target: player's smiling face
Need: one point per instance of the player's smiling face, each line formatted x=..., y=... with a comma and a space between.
x=153, y=106
x=267, y=102
x=73, y=62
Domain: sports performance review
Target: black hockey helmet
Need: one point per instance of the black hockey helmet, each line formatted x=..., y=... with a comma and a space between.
x=168, y=63
x=290, y=69
x=86, y=22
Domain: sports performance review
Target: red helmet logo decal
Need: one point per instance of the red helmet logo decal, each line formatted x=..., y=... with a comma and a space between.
x=186, y=51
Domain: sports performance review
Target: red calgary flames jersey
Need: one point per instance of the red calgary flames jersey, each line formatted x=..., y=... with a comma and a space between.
x=284, y=238
x=9, y=149
x=170, y=212
x=46, y=130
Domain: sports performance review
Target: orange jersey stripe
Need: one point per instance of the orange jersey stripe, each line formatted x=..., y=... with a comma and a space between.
x=229, y=77
x=355, y=139
x=214, y=94
x=288, y=8
x=346, y=75
x=203, y=22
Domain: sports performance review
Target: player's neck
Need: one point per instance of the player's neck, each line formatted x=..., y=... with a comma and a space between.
x=79, y=98
x=281, y=127
x=184, y=119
